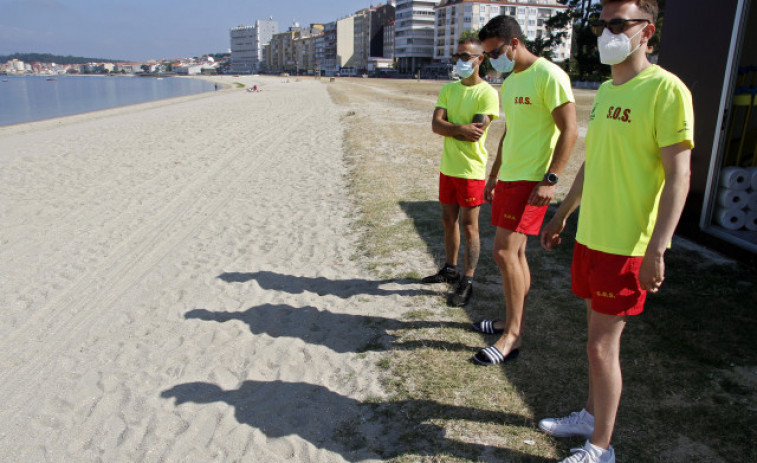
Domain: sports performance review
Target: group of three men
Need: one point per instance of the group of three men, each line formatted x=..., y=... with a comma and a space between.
x=631, y=187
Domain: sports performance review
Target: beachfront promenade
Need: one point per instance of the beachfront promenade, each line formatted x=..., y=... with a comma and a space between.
x=177, y=283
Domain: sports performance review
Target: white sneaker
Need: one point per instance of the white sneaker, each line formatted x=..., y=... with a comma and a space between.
x=576, y=424
x=590, y=453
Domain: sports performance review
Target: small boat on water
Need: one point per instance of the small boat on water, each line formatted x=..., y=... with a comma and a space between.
x=51, y=79
x=5, y=80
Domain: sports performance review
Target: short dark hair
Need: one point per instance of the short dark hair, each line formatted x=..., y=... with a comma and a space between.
x=649, y=7
x=502, y=27
x=472, y=40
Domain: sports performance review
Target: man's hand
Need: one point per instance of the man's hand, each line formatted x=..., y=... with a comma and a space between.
x=471, y=132
x=652, y=272
x=491, y=184
x=542, y=194
x=550, y=235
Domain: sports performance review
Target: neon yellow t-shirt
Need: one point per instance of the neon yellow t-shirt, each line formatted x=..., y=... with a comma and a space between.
x=528, y=99
x=623, y=173
x=466, y=159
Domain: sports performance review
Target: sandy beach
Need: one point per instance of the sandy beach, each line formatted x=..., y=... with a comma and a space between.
x=178, y=284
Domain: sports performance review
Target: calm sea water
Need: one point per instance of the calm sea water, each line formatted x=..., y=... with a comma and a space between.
x=33, y=98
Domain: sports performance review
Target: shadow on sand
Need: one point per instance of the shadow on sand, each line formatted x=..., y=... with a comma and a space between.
x=323, y=286
x=343, y=425
x=360, y=333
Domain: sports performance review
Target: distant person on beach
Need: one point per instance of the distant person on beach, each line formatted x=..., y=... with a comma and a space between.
x=464, y=110
x=631, y=188
x=540, y=131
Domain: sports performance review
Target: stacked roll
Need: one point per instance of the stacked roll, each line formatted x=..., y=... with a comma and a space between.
x=737, y=199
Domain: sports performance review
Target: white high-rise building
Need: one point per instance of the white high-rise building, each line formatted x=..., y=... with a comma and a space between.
x=414, y=34
x=453, y=17
x=247, y=43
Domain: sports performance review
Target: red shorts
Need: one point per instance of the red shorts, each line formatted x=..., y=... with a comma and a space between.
x=609, y=280
x=511, y=211
x=463, y=191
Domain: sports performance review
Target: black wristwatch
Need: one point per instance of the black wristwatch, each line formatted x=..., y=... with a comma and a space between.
x=551, y=178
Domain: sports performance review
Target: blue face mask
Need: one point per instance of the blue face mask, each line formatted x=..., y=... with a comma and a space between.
x=502, y=63
x=465, y=69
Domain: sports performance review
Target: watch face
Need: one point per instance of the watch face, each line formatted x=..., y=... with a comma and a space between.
x=551, y=178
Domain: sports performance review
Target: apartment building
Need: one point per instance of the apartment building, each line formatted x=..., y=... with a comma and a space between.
x=382, y=17
x=247, y=44
x=414, y=34
x=362, y=39
x=305, y=51
x=388, y=51
x=338, y=46
x=453, y=17
x=285, y=52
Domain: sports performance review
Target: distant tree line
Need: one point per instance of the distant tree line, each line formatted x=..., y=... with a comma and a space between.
x=57, y=59
x=584, y=60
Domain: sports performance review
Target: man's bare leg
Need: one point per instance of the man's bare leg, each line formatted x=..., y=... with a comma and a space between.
x=510, y=256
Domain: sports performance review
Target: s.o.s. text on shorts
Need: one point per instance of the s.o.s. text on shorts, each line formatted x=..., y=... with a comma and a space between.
x=510, y=208
x=611, y=281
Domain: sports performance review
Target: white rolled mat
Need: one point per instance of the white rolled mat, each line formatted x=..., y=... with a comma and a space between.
x=731, y=219
x=751, y=200
x=751, y=220
x=735, y=178
x=733, y=199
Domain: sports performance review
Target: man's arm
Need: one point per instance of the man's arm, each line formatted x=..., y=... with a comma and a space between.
x=676, y=161
x=565, y=120
x=468, y=132
x=491, y=181
x=550, y=236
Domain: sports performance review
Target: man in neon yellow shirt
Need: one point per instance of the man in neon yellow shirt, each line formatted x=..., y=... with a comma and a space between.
x=463, y=113
x=541, y=129
x=631, y=188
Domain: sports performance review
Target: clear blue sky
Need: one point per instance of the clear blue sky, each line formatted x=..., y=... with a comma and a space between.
x=148, y=29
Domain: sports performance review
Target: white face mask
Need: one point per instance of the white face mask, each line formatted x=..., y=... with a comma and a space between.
x=615, y=48
x=502, y=63
x=465, y=69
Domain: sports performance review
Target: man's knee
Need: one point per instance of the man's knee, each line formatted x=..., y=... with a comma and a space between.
x=600, y=352
x=471, y=231
x=504, y=255
x=449, y=221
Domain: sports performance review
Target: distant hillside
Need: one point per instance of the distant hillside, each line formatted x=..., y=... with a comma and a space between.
x=50, y=58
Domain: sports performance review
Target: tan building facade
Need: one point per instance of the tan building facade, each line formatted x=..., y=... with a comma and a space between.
x=293, y=51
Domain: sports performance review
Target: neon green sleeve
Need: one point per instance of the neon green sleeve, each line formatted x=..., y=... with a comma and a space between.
x=489, y=104
x=674, y=114
x=557, y=89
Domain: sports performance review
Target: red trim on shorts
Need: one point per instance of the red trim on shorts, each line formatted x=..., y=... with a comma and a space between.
x=465, y=192
x=511, y=211
x=611, y=281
